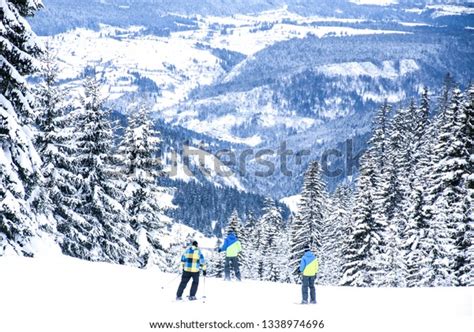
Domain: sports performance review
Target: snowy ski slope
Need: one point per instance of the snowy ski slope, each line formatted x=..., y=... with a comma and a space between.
x=64, y=294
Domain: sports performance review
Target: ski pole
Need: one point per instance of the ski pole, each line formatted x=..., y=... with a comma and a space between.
x=171, y=281
x=204, y=290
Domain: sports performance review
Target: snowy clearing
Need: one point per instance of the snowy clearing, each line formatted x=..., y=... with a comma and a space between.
x=450, y=10
x=65, y=294
x=387, y=69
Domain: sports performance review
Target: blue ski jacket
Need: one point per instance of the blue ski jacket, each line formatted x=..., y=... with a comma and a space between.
x=309, y=265
x=231, y=246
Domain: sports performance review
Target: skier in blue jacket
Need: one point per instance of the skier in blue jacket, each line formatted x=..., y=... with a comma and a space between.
x=309, y=268
x=232, y=248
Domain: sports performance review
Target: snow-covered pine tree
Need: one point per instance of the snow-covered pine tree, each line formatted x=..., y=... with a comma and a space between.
x=383, y=145
x=447, y=192
x=103, y=233
x=393, y=259
x=295, y=244
x=19, y=161
x=234, y=225
x=248, y=244
x=392, y=187
x=54, y=143
x=337, y=230
x=466, y=275
x=272, y=246
x=395, y=183
x=138, y=153
x=216, y=261
x=276, y=267
x=258, y=242
x=309, y=223
x=364, y=247
x=285, y=272
x=464, y=227
x=172, y=259
x=250, y=223
x=418, y=202
x=447, y=92
x=421, y=121
x=379, y=141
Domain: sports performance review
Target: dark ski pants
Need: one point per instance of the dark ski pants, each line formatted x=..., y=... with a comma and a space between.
x=308, y=282
x=184, y=282
x=235, y=264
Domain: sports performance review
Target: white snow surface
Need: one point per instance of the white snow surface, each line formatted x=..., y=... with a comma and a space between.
x=450, y=10
x=444, y=10
x=414, y=24
x=386, y=70
x=375, y=2
x=64, y=294
x=292, y=202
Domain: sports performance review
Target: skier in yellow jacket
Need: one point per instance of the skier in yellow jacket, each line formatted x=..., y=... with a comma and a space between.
x=192, y=262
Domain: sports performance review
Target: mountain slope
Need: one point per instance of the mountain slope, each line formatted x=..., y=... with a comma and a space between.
x=163, y=15
x=279, y=72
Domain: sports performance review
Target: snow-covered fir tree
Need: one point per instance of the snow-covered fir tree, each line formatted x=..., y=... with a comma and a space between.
x=139, y=153
x=172, y=258
x=19, y=161
x=393, y=260
x=394, y=180
x=466, y=273
x=54, y=143
x=234, y=225
x=285, y=273
x=418, y=202
x=257, y=246
x=379, y=141
x=337, y=229
x=271, y=247
x=448, y=196
x=104, y=232
x=421, y=121
x=392, y=186
x=216, y=261
x=364, y=247
x=385, y=177
x=308, y=224
x=248, y=245
x=462, y=172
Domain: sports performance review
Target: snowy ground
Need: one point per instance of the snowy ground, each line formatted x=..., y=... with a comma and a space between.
x=65, y=294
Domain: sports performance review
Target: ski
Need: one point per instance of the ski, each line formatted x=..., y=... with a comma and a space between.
x=186, y=299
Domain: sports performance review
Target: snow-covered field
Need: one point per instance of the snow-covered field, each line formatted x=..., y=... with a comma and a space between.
x=450, y=10
x=375, y=2
x=64, y=294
